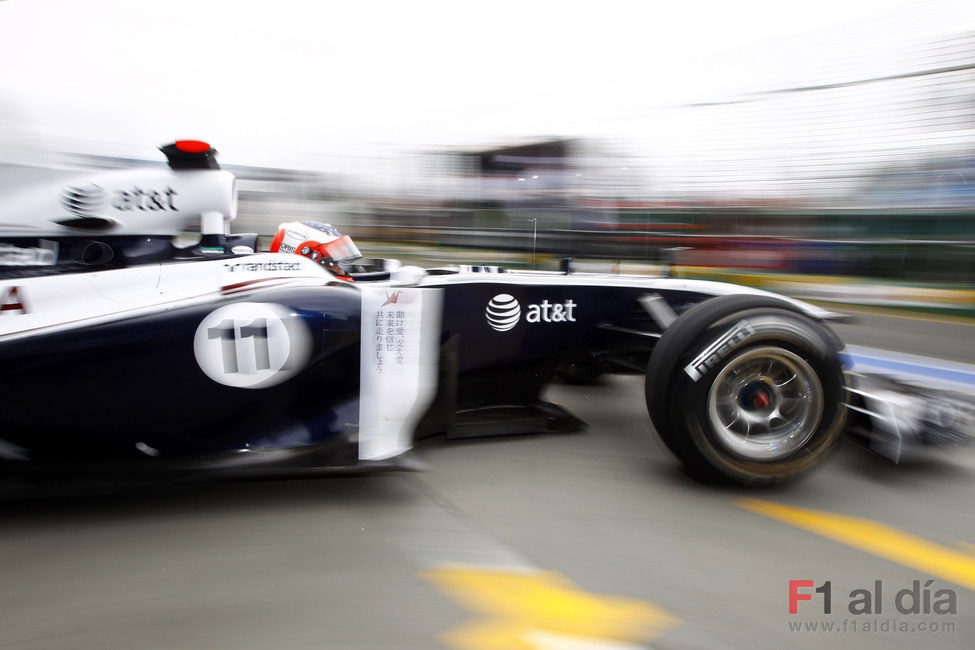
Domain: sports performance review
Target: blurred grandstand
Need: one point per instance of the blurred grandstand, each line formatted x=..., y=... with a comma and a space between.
x=866, y=168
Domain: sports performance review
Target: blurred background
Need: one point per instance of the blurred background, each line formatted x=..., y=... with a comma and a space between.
x=824, y=149
x=833, y=139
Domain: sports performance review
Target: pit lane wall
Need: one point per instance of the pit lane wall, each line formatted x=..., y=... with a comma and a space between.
x=845, y=290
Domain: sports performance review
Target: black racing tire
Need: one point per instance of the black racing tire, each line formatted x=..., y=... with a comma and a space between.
x=747, y=389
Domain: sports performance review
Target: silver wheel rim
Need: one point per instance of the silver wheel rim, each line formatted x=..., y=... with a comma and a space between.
x=765, y=404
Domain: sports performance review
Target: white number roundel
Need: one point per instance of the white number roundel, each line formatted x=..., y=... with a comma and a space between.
x=251, y=345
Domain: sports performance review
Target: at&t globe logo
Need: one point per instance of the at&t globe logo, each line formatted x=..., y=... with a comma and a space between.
x=503, y=312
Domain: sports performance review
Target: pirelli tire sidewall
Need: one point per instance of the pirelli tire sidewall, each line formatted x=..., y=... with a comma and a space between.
x=712, y=335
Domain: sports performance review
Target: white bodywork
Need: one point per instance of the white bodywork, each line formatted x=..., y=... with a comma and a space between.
x=131, y=202
x=54, y=303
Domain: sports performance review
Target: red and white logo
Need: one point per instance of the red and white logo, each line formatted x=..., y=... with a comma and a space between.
x=11, y=301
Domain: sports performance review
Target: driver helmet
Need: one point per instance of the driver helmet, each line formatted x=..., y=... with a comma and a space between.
x=319, y=242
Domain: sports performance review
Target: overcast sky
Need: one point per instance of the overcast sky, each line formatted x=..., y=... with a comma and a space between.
x=297, y=82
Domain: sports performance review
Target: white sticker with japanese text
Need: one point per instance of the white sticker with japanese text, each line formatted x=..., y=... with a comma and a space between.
x=398, y=376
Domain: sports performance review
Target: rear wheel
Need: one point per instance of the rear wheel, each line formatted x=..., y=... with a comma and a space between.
x=746, y=389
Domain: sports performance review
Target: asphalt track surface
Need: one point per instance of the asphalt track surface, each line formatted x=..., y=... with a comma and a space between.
x=587, y=540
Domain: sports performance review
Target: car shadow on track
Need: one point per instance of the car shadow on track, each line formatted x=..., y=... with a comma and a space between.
x=73, y=502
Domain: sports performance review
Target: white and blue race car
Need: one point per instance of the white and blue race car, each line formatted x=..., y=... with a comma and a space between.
x=124, y=353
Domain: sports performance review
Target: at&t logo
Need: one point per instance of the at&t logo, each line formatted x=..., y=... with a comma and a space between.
x=88, y=201
x=504, y=312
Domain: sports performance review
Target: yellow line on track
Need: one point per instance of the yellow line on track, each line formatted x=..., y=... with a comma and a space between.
x=534, y=609
x=876, y=538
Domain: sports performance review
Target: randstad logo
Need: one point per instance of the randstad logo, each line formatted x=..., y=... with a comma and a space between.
x=504, y=312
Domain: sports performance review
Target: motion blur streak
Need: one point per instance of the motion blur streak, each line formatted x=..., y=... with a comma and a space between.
x=844, y=151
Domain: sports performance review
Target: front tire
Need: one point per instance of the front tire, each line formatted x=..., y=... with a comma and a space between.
x=747, y=389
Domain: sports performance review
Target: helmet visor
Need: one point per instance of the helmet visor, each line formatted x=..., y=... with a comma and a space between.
x=342, y=249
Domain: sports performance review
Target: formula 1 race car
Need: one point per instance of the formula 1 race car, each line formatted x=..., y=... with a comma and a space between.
x=120, y=349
